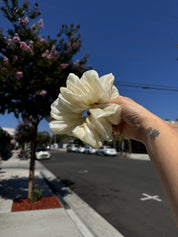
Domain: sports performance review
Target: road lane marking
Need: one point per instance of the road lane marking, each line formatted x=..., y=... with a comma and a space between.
x=148, y=197
x=83, y=171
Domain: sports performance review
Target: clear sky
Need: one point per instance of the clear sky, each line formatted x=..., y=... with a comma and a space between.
x=135, y=40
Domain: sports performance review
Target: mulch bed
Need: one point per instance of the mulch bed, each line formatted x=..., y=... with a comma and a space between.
x=23, y=204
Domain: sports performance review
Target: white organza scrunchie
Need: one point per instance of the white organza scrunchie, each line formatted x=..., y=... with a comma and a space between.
x=88, y=93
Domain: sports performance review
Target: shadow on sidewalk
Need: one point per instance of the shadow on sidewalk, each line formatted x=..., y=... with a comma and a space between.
x=17, y=187
x=7, y=156
x=57, y=186
x=14, y=187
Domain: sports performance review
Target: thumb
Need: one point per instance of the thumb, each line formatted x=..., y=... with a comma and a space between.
x=117, y=100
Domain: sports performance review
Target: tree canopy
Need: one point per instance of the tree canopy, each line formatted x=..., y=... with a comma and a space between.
x=33, y=68
x=23, y=133
x=43, y=138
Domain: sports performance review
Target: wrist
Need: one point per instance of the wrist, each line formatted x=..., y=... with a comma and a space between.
x=150, y=128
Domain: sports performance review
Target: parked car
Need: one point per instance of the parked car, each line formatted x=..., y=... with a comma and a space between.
x=72, y=147
x=100, y=151
x=81, y=149
x=86, y=150
x=92, y=150
x=110, y=151
x=89, y=150
x=69, y=148
x=106, y=151
x=42, y=153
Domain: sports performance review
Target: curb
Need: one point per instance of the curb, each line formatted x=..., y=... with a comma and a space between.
x=137, y=156
x=88, y=221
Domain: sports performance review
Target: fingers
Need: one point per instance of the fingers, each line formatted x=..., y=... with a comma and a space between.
x=121, y=100
x=115, y=100
x=116, y=128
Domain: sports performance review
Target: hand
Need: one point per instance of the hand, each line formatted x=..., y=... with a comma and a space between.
x=134, y=119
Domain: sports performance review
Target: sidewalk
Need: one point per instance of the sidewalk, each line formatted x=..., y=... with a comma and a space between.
x=75, y=219
x=137, y=156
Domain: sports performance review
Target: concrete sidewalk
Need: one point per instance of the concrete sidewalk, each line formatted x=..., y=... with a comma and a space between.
x=137, y=156
x=75, y=219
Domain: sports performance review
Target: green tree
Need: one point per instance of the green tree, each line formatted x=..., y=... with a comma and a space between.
x=23, y=133
x=43, y=138
x=56, y=138
x=33, y=68
x=5, y=146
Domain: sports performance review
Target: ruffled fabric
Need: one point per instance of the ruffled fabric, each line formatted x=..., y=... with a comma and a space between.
x=88, y=93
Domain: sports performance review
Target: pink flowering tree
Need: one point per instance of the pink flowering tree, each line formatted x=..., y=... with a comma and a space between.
x=33, y=68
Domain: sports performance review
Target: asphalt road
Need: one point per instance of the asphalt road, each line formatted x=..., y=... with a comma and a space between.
x=126, y=192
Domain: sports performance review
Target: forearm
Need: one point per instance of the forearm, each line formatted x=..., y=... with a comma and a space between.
x=161, y=142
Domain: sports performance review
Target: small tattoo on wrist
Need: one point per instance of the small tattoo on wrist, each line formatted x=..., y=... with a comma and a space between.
x=154, y=133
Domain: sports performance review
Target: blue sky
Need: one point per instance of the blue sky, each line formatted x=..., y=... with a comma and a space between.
x=135, y=40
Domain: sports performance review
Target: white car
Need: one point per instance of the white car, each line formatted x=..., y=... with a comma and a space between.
x=72, y=147
x=106, y=151
x=89, y=150
x=110, y=151
x=81, y=149
x=42, y=153
x=92, y=150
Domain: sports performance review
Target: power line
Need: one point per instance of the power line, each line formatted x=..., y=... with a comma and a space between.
x=147, y=86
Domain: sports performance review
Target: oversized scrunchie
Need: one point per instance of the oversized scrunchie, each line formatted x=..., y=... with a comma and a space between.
x=88, y=93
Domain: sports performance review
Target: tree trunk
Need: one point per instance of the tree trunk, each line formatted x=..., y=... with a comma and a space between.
x=32, y=163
